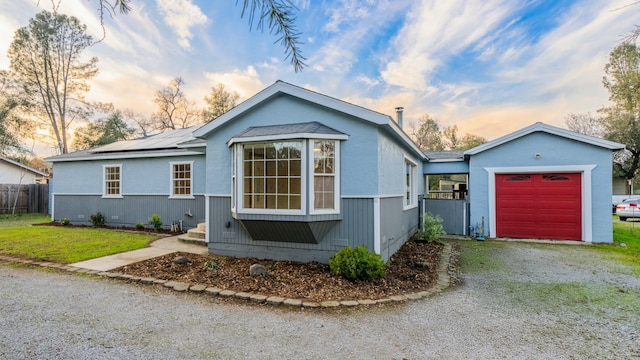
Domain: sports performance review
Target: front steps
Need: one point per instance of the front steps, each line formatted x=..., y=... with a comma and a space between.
x=196, y=236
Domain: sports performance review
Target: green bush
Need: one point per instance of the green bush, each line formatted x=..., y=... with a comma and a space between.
x=156, y=221
x=140, y=226
x=97, y=219
x=65, y=221
x=357, y=264
x=431, y=228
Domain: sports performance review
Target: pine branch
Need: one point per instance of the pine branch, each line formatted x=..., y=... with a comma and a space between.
x=280, y=19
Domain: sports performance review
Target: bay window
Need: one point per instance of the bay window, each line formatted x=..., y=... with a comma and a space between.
x=293, y=176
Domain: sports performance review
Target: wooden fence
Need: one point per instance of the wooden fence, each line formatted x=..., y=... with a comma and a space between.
x=31, y=198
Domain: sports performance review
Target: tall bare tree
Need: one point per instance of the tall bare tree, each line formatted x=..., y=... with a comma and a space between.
x=175, y=111
x=144, y=124
x=45, y=61
x=585, y=124
x=218, y=102
x=426, y=134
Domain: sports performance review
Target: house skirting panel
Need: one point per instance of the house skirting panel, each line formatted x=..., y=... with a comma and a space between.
x=396, y=225
x=130, y=209
x=228, y=236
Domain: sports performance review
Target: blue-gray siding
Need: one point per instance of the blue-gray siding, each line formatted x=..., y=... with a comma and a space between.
x=228, y=237
x=454, y=214
x=130, y=210
x=396, y=226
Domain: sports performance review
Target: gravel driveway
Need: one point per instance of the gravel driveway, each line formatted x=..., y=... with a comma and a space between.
x=519, y=301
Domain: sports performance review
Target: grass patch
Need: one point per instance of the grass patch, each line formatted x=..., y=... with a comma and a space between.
x=627, y=233
x=7, y=220
x=582, y=298
x=477, y=256
x=63, y=245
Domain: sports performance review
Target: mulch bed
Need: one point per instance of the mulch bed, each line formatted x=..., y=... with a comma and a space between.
x=411, y=269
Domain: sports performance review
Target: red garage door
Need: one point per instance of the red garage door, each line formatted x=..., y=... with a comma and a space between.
x=539, y=206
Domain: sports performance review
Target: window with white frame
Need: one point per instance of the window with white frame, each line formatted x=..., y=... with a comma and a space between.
x=275, y=176
x=272, y=175
x=112, y=175
x=410, y=184
x=182, y=179
x=324, y=175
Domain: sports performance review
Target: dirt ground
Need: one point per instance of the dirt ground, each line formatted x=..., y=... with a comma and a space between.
x=411, y=269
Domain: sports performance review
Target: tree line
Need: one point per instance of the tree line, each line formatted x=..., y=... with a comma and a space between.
x=620, y=121
x=47, y=79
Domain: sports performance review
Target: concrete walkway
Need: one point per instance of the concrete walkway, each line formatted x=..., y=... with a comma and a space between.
x=157, y=248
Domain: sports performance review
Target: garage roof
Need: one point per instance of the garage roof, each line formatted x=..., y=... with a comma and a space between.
x=541, y=127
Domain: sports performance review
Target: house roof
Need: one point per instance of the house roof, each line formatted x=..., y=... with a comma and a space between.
x=174, y=142
x=541, y=127
x=444, y=156
x=280, y=87
x=300, y=130
x=23, y=167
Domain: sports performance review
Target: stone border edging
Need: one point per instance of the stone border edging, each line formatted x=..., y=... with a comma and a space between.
x=443, y=282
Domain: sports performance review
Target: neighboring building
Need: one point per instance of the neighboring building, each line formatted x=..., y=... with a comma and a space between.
x=13, y=172
x=297, y=175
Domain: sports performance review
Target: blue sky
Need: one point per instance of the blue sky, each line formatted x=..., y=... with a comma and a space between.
x=489, y=67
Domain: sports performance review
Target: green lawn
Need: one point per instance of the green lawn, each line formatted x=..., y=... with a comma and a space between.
x=628, y=233
x=60, y=244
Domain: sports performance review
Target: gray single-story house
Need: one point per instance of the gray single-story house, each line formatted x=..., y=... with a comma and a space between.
x=294, y=174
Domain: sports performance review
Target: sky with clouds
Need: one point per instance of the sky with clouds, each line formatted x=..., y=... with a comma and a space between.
x=490, y=67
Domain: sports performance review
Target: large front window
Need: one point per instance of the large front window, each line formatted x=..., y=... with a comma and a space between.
x=272, y=175
x=288, y=176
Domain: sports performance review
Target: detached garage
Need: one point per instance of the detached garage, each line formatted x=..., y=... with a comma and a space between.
x=542, y=182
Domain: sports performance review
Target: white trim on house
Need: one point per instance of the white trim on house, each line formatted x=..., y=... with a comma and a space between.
x=206, y=218
x=377, y=244
x=541, y=127
x=372, y=196
x=118, y=156
x=585, y=170
x=287, y=137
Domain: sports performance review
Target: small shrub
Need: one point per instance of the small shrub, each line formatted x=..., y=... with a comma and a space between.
x=357, y=264
x=65, y=221
x=156, y=221
x=140, y=226
x=211, y=265
x=431, y=228
x=97, y=219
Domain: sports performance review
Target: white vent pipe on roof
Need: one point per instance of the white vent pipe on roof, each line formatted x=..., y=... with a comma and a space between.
x=399, y=110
